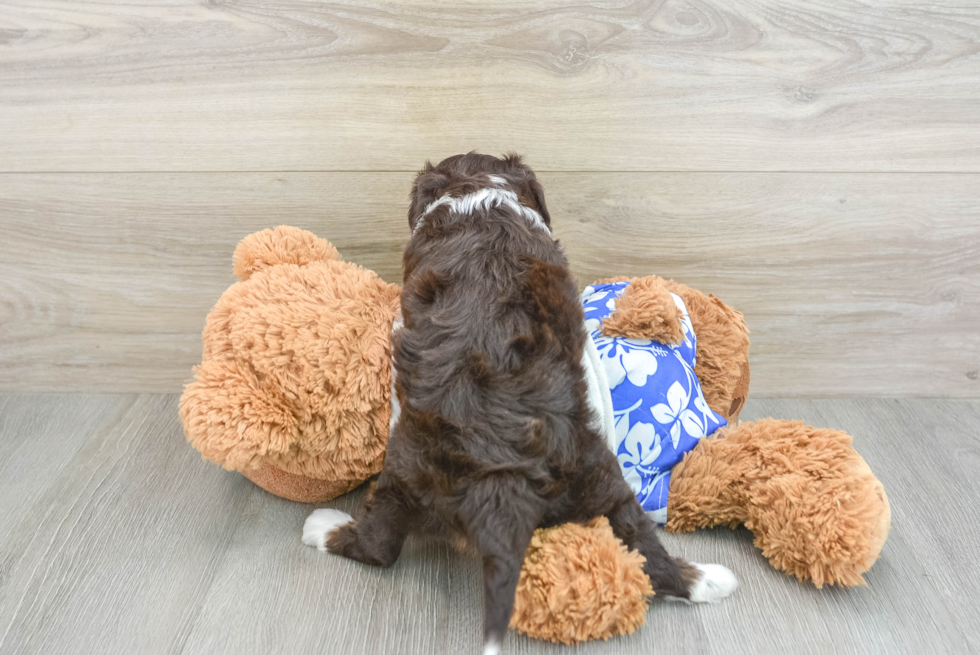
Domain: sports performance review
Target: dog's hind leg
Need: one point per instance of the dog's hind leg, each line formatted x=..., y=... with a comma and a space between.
x=375, y=538
x=500, y=513
x=671, y=577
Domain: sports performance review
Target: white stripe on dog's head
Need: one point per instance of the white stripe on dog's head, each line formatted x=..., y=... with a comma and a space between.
x=485, y=199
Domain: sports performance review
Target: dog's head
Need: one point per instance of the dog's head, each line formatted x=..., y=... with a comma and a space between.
x=460, y=175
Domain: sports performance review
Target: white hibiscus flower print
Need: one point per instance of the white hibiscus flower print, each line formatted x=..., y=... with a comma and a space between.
x=663, y=401
x=668, y=414
x=596, y=296
x=642, y=448
x=634, y=365
x=693, y=424
x=706, y=412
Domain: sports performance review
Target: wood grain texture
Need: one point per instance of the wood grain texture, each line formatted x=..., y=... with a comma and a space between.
x=597, y=85
x=117, y=538
x=851, y=284
x=113, y=551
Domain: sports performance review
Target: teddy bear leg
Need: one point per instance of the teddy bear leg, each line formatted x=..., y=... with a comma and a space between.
x=704, y=489
x=823, y=518
x=815, y=508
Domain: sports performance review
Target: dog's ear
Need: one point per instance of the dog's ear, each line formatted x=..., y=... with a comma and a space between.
x=530, y=192
x=537, y=193
x=428, y=185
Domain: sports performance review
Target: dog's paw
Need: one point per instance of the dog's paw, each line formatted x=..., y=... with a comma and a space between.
x=716, y=582
x=320, y=524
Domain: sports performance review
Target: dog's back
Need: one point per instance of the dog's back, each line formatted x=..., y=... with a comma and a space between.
x=488, y=363
x=494, y=437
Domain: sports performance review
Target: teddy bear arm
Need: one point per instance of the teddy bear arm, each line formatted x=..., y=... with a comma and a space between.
x=232, y=418
x=645, y=310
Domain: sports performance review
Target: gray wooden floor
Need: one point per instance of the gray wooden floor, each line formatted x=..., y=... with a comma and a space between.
x=115, y=537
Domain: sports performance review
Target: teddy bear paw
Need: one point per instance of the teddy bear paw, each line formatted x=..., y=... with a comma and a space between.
x=320, y=524
x=716, y=582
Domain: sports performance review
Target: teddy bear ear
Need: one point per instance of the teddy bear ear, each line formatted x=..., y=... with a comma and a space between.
x=283, y=245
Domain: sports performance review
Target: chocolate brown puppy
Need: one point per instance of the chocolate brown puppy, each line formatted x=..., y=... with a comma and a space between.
x=493, y=434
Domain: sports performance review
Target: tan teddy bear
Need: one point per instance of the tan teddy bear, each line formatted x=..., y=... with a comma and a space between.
x=294, y=392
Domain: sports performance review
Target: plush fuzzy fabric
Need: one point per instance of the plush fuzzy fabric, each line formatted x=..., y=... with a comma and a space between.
x=299, y=488
x=723, y=339
x=294, y=391
x=722, y=352
x=579, y=582
x=645, y=310
x=283, y=245
x=543, y=606
x=295, y=367
x=815, y=508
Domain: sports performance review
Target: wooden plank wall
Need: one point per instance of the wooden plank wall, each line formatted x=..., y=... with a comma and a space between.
x=815, y=164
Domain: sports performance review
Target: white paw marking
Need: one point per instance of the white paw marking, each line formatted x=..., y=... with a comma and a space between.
x=716, y=582
x=491, y=648
x=320, y=524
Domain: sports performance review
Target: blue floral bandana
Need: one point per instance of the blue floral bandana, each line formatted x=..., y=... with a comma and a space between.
x=659, y=411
